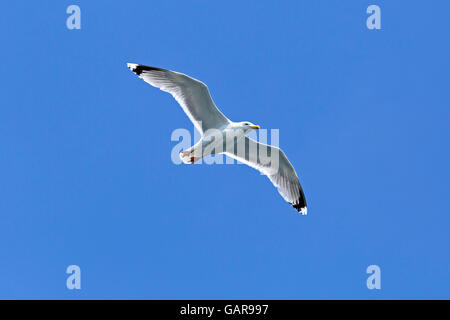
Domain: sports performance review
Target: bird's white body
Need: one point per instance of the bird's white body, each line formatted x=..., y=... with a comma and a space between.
x=216, y=141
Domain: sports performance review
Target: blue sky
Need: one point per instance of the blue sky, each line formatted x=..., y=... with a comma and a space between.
x=87, y=179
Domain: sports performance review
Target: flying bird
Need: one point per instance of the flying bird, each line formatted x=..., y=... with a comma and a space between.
x=195, y=99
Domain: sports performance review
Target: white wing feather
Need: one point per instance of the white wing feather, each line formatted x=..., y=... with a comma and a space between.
x=281, y=174
x=191, y=94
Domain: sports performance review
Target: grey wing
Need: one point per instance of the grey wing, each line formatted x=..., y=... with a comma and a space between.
x=191, y=94
x=272, y=162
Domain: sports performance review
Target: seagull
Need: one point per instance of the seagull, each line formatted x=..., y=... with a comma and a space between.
x=195, y=100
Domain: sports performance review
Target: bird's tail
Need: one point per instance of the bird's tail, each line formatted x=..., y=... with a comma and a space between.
x=189, y=157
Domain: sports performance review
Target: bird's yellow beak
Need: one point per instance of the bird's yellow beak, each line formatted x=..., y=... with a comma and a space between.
x=255, y=127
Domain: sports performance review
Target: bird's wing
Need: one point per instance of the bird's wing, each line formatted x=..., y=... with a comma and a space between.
x=272, y=162
x=191, y=94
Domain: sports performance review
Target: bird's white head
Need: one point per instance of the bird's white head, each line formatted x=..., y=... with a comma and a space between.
x=247, y=126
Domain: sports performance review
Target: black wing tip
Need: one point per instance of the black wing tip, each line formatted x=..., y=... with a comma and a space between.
x=139, y=68
x=301, y=208
x=300, y=205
